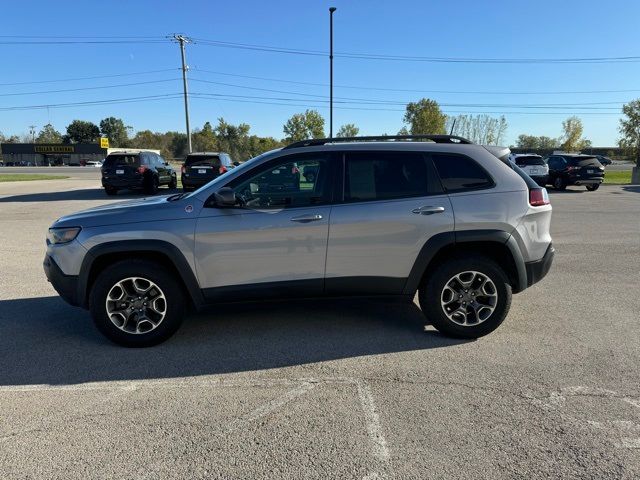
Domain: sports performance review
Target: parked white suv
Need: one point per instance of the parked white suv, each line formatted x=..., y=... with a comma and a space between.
x=533, y=165
x=379, y=216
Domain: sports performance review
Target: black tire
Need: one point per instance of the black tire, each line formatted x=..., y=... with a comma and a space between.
x=594, y=187
x=151, y=185
x=173, y=294
x=173, y=183
x=431, y=290
x=110, y=190
x=558, y=184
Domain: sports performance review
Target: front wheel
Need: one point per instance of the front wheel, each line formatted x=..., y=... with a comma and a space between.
x=467, y=297
x=136, y=303
x=173, y=183
x=594, y=187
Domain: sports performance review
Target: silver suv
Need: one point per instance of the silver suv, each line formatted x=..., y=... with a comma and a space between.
x=453, y=221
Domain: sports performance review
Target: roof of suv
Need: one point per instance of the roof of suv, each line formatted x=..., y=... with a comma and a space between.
x=194, y=154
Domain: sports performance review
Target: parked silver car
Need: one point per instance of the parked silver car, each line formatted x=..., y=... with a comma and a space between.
x=454, y=221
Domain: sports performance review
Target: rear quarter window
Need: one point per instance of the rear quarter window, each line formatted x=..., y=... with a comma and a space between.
x=584, y=162
x=460, y=173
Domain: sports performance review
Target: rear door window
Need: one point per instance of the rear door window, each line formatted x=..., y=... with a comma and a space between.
x=372, y=176
x=460, y=173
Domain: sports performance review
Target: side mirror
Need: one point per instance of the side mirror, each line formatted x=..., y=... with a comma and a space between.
x=166, y=164
x=236, y=164
x=225, y=197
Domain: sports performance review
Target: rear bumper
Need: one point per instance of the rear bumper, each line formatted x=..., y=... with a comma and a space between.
x=537, y=270
x=585, y=181
x=65, y=285
x=126, y=182
x=194, y=182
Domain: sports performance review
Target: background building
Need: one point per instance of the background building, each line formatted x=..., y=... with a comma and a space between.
x=46, y=154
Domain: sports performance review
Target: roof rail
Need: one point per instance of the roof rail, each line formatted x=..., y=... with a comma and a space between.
x=382, y=138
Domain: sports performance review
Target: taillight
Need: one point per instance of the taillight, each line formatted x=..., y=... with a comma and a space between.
x=183, y=169
x=538, y=197
x=222, y=169
x=571, y=168
x=142, y=169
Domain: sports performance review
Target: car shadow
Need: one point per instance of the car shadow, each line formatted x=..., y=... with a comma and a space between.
x=631, y=188
x=80, y=194
x=45, y=341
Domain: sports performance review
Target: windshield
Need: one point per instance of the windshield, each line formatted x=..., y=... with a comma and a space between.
x=584, y=162
x=529, y=160
x=112, y=160
x=202, y=160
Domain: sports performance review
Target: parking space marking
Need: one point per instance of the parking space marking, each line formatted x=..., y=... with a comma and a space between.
x=378, y=443
x=269, y=407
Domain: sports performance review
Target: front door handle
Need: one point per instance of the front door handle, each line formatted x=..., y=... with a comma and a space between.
x=307, y=218
x=427, y=210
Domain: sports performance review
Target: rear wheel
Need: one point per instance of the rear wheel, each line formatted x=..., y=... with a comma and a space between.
x=136, y=303
x=151, y=185
x=559, y=184
x=467, y=297
x=110, y=190
x=594, y=187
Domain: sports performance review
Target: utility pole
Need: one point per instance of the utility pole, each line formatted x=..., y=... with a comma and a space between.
x=182, y=40
x=32, y=131
x=331, y=10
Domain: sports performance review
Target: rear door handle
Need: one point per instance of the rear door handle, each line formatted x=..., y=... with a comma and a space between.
x=427, y=210
x=307, y=218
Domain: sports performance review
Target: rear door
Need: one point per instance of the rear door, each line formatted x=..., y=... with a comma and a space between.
x=587, y=168
x=392, y=203
x=121, y=166
x=203, y=168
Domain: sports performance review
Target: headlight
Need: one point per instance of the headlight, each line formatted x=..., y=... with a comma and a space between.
x=62, y=235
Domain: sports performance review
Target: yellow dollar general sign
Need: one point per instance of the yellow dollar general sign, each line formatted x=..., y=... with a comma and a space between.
x=104, y=142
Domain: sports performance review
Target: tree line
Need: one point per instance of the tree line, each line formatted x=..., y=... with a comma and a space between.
x=421, y=117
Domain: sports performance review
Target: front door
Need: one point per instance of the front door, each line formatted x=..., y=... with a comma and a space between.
x=276, y=237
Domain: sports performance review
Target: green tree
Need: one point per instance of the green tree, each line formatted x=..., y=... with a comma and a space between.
x=533, y=142
x=80, y=131
x=204, y=140
x=572, y=135
x=115, y=130
x=630, y=129
x=48, y=134
x=348, y=130
x=301, y=126
x=425, y=117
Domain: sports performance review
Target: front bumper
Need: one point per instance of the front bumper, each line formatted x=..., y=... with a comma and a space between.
x=65, y=285
x=537, y=270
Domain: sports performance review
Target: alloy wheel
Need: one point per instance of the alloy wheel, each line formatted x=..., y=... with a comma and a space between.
x=469, y=298
x=136, y=305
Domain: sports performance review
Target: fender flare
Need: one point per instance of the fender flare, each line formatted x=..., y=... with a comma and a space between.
x=175, y=256
x=436, y=243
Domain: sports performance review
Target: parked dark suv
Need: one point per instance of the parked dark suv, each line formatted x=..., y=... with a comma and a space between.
x=574, y=169
x=136, y=171
x=200, y=168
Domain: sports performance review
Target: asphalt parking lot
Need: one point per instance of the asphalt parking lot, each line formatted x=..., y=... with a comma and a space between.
x=333, y=389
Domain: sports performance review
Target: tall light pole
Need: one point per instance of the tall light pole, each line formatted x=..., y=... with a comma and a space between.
x=182, y=40
x=331, y=10
x=32, y=131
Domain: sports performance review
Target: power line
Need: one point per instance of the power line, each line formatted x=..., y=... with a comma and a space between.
x=111, y=101
x=32, y=82
x=14, y=94
x=376, y=56
x=410, y=90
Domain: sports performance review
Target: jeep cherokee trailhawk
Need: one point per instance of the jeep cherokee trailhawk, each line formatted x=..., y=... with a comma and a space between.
x=454, y=221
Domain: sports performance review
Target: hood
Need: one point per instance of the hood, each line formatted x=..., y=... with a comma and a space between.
x=143, y=210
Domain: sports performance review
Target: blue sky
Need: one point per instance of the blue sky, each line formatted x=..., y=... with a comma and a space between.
x=470, y=29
